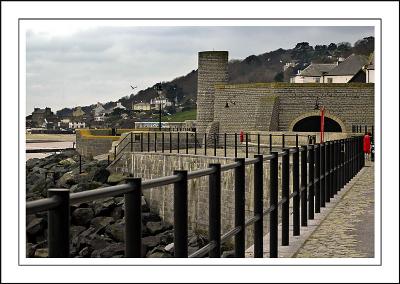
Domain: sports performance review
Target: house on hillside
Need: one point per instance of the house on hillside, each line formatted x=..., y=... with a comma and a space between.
x=370, y=71
x=40, y=117
x=349, y=71
x=313, y=73
x=141, y=106
x=78, y=112
x=155, y=103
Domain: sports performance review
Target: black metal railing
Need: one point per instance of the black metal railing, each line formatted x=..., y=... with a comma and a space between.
x=207, y=144
x=330, y=166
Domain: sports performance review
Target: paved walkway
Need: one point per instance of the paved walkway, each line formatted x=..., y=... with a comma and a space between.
x=344, y=228
x=348, y=230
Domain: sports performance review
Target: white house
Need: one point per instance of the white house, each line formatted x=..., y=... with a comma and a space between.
x=98, y=110
x=163, y=101
x=370, y=71
x=350, y=70
x=141, y=106
x=312, y=73
x=76, y=124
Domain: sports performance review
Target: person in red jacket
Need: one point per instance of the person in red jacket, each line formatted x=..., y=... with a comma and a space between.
x=367, y=144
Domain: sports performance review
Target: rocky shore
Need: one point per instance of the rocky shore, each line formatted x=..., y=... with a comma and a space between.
x=97, y=228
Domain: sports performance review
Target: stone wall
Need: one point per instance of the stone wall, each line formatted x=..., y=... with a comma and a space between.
x=153, y=165
x=90, y=145
x=347, y=104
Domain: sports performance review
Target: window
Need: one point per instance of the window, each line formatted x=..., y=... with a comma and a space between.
x=329, y=80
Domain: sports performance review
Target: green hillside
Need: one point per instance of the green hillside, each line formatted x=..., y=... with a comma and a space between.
x=181, y=116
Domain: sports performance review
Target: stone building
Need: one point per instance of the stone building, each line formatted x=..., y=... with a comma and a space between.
x=224, y=107
x=40, y=116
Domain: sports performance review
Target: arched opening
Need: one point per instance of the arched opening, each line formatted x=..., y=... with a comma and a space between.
x=312, y=124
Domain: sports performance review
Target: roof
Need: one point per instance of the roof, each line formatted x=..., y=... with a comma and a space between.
x=350, y=66
x=316, y=70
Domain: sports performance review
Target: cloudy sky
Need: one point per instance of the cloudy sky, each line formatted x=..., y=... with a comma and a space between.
x=70, y=64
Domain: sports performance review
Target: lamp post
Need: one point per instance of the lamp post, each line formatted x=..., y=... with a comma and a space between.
x=159, y=91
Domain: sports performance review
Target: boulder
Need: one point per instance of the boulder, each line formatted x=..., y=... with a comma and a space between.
x=75, y=231
x=101, y=175
x=82, y=216
x=41, y=252
x=85, y=186
x=117, y=213
x=116, y=231
x=99, y=242
x=228, y=253
x=151, y=241
x=157, y=227
x=67, y=162
x=166, y=237
x=85, y=252
x=110, y=251
x=36, y=226
x=150, y=217
x=103, y=206
x=32, y=163
x=114, y=179
x=30, y=250
x=99, y=223
x=169, y=248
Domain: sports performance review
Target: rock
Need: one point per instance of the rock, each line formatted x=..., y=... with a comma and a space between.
x=166, y=237
x=67, y=162
x=32, y=163
x=114, y=179
x=83, y=238
x=103, y=206
x=117, y=213
x=151, y=241
x=101, y=175
x=68, y=179
x=169, y=248
x=100, y=223
x=110, y=251
x=75, y=231
x=150, y=217
x=85, y=252
x=85, y=186
x=116, y=231
x=36, y=226
x=193, y=249
x=99, y=242
x=145, y=207
x=82, y=216
x=30, y=250
x=156, y=227
x=228, y=253
x=41, y=252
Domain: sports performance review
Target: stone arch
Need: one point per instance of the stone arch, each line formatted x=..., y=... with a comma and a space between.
x=317, y=113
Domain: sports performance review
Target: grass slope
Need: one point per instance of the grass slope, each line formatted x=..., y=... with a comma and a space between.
x=181, y=116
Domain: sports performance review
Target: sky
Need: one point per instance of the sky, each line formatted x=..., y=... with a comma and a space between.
x=72, y=64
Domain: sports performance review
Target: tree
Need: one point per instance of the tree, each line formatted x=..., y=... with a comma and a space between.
x=344, y=46
x=364, y=46
x=279, y=77
x=303, y=45
x=332, y=46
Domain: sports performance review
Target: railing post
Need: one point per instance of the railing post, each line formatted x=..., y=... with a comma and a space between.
x=181, y=215
x=148, y=141
x=332, y=169
x=214, y=207
x=178, y=138
x=327, y=172
x=58, y=219
x=247, y=145
x=195, y=142
x=258, y=143
x=258, y=206
x=80, y=160
x=303, y=190
x=115, y=154
x=240, y=207
x=155, y=142
x=347, y=160
x=141, y=141
x=133, y=218
x=283, y=140
x=285, y=195
x=131, y=142
x=297, y=140
x=270, y=143
x=342, y=161
x=224, y=144
x=215, y=144
x=322, y=173
x=334, y=160
x=187, y=142
x=108, y=159
x=311, y=182
x=317, y=188
x=205, y=144
x=296, y=198
x=235, y=145
x=273, y=203
x=162, y=142
x=170, y=142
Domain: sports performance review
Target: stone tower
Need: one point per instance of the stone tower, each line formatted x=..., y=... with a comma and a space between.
x=212, y=70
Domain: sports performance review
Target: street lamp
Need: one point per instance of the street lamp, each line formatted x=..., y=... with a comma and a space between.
x=159, y=91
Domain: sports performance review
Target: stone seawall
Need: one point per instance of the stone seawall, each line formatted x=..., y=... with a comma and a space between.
x=153, y=165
